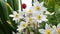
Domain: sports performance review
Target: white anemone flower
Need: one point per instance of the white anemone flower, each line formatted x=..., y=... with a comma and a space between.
x=29, y=12
x=54, y=30
x=30, y=20
x=40, y=17
x=16, y=16
x=38, y=7
x=22, y=26
x=31, y=9
x=47, y=30
x=57, y=29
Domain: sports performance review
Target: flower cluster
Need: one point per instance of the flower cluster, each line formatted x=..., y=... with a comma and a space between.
x=50, y=30
x=36, y=14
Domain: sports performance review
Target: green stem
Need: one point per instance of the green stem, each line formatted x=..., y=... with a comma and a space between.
x=9, y=6
x=28, y=31
x=21, y=5
x=32, y=2
x=34, y=29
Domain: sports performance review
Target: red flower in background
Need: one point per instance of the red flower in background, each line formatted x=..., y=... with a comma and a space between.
x=24, y=6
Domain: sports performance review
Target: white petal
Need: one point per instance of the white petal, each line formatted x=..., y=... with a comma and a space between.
x=11, y=15
x=35, y=0
x=44, y=18
x=39, y=21
x=54, y=27
x=41, y=4
x=52, y=13
x=26, y=19
x=32, y=7
x=20, y=29
x=47, y=26
x=14, y=19
x=13, y=32
x=19, y=10
x=42, y=31
x=36, y=3
x=58, y=26
x=54, y=31
x=22, y=22
x=14, y=12
x=47, y=12
x=43, y=9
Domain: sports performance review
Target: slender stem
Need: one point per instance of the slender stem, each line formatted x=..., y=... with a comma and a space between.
x=37, y=27
x=28, y=32
x=34, y=29
x=32, y=2
x=21, y=5
x=9, y=6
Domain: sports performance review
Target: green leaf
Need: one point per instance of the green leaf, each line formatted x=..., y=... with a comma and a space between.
x=10, y=2
x=4, y=15
x=16, y=5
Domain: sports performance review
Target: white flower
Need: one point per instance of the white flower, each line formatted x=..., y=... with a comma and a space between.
x=30, y=12
x=30, y=20
x=16, y=16
x=31, y=9
x=39, y=18
x=47, y=30
x=57, y=29
x=54, y=30
x=22, y=26
x=38, y=7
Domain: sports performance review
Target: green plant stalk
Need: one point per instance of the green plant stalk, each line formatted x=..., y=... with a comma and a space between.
x=10, y=2
x=34, y=28
x=9, y=6
x=21, y=5
x=28, y=32
x=32, y=2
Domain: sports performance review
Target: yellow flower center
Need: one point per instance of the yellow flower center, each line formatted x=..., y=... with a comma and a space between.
x=17, y=15
x=30, y=20
x=37, y=7
x=30, y=11
x=24, y=25
x=38, y=17
x=58, y=30
x=48, y=31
